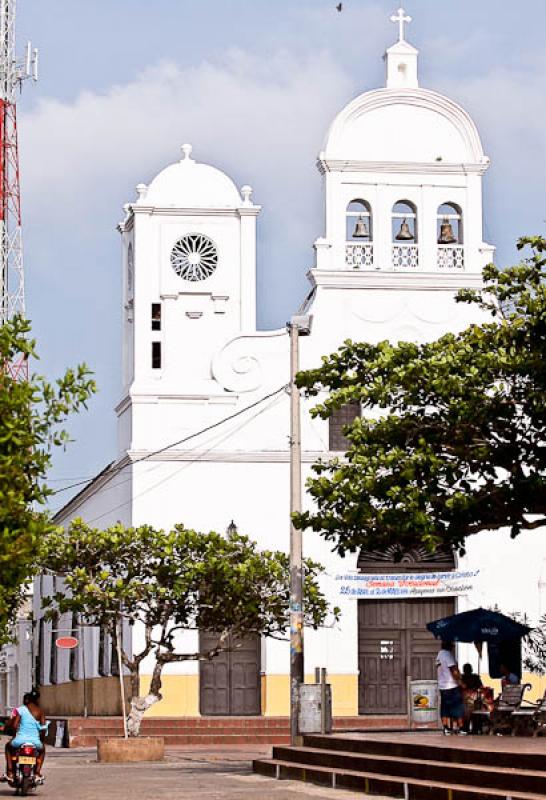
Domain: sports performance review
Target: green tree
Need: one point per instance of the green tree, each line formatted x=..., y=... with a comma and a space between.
x=451, y=440
x=31, y=417
x=165, y=582
x=534, y=658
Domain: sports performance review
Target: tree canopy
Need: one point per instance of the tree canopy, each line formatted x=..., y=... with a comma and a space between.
x=170, y=582
x=451, y=440
x=31, y=417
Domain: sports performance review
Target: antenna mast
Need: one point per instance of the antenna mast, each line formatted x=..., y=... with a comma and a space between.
x=12, y=75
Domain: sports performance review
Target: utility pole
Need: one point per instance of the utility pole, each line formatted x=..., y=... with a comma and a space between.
x=298, y=326
x=12, y=75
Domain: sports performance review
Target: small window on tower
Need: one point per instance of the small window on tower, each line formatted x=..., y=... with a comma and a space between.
x=156, y=316
x=156, y=355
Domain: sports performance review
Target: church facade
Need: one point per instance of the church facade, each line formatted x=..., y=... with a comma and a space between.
x=402, y=171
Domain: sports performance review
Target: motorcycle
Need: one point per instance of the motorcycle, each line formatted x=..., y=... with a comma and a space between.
x=24, y=769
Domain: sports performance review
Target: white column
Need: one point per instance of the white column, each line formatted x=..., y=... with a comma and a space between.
x=248, y=267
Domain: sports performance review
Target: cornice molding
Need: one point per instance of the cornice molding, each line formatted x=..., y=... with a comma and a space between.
x=142, y=396
x=380, y=279
x=233, y=456
x=325, y=165
x=152, y=211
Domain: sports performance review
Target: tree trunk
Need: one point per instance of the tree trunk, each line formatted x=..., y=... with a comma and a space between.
x=140, y=705
x=135, y=682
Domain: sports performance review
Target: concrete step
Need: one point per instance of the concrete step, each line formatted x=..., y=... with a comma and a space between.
x=437, y=749
x=384, y=784
x=492, y=777
x=83, y=732
x=176, y=740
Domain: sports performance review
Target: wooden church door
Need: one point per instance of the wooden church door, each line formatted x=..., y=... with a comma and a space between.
x=230, y=684
x=393, y=643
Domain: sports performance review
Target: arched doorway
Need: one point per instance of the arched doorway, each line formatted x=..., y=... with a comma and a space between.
x=393, y=642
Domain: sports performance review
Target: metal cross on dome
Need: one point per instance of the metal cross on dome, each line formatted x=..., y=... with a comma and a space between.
x=401, y=18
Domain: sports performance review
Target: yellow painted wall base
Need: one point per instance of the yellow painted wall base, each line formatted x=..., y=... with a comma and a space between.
x=344, y=695
x=534, y=694
x=181, y=695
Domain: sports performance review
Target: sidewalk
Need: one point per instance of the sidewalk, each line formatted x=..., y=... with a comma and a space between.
x=222, y=773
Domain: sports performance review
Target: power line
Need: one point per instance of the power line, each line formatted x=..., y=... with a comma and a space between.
x=117, y=470
x=214, y=443
x=183, y=466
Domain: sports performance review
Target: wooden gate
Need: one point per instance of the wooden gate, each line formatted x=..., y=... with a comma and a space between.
x=230, y=684
x=393, y=643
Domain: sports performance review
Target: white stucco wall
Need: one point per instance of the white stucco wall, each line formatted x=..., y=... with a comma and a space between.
x=400, y=143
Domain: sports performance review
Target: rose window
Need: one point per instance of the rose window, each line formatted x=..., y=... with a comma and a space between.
x=194, y=257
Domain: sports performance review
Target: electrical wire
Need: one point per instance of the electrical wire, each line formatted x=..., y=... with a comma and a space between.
x=117, y=470
x=183, y=466
x=111, y=485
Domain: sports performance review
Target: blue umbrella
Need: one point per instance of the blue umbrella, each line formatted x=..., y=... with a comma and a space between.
x=478, y=625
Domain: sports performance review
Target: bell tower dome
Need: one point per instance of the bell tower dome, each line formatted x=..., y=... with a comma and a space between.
x=403, y=170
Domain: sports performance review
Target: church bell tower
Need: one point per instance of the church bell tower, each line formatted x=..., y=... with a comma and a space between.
x=403, y=170
x=189, y=266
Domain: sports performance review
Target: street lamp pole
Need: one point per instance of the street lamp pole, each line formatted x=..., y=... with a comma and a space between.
x=298, y=326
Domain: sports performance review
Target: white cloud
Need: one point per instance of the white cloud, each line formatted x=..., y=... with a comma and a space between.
x=262, y=120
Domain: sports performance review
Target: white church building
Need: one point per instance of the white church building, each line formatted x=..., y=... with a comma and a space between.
x=402, y=171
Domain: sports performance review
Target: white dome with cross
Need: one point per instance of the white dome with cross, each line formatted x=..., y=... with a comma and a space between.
x=403, y=122
x=403, y=168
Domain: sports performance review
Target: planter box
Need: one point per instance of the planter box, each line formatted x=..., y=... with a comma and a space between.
x=116, y=750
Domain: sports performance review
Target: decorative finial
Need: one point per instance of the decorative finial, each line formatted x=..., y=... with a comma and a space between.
x=246, y=192
x=142, y=191
x=401, y=18
x=187, y=150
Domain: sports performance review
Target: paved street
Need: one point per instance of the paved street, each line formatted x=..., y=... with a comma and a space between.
x=187, y=773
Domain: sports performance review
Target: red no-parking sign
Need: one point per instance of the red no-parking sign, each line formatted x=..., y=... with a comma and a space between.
x=67, y=642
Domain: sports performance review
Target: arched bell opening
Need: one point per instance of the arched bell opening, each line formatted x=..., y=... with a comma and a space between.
x=359, y=235
x=450, y=237
x=405, y=248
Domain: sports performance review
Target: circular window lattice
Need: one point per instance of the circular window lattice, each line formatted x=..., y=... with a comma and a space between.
x=194, y=257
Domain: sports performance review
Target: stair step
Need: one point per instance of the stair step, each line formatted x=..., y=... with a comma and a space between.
x=391, y=785
x=440, y=750
x=84, y=732
x=408, y=768
x=200, y=740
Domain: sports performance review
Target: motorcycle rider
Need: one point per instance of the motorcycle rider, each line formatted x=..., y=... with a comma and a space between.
x=30, y=727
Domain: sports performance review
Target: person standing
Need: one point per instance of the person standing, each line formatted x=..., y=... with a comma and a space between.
x=449, y=684
x=471, y=684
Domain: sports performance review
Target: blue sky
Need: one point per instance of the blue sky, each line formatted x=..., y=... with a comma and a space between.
x=253, y=84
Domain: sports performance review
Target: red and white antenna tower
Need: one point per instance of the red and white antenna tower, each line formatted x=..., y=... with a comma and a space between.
x=12, y=74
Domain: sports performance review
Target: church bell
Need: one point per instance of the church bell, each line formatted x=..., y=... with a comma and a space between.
x=404, y=234
x=446, y=233
x=361, y=230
